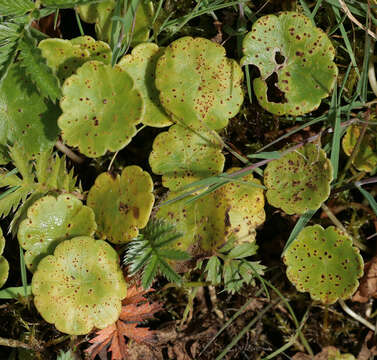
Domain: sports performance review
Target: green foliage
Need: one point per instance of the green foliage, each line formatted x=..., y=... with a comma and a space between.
x=101, y=15
x=46, y=174
x=64, y=57
x=26, y=119
x=246, y=206
x=79, y=287
x=366, y=157
x=122, y=204
x=97, y=116
x=204, y=223
x=324, y=263
x=198, y=84
x=152, y=251
x=183, y=155
x=141, y=65
x=50, y=221
x=230, y=266
x=15, y=7
x=66, y=355
x=36, y=68
x=307, y=74
x=299, y=181
x=9, y=36
x=4, y=265
x=65, y=4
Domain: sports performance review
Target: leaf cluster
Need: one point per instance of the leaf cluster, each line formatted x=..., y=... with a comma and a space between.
x=151, y=252
x=230, y=267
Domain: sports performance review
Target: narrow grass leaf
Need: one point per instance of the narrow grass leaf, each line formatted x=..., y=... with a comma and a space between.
x=14, y=292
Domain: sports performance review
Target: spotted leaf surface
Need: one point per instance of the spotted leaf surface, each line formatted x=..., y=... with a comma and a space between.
x=299, y=181
x=182, y=156
x=64, y=57
x=122, y=204
x=246, y=204
x=324, y=263
x=101, y=13
x=305, y=71
x=79, y=287
x=4, y=265
x=100, y=109
x=366, y=157
x=25, y=117
x=50, y=221
x=141, y=65
x=198, y=83
x=204, y=222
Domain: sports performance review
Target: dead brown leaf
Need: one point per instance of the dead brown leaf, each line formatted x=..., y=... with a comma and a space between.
x=368, y=283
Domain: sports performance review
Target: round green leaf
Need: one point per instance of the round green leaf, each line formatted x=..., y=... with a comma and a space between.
x=4, y=265
x=100, y=109
x=299, y=181
x=101, y=14
x=182, y=156
x=50, y=221
x=246, y=206
x=79, y=287
x=122, y=204
x=305, y=76
x=64, y=57
x=204, y=222
x=324, y=263
x=366, y=157
x=198, y=84
x=25, y=117
x=141, y=65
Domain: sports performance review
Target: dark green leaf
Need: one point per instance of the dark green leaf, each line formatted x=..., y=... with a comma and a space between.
x=9, y=36
x=213, y=270
x=174, y=254
x=243, y=250
x=15, y=7
x=66, y=4
x=150, y=272
x=370, y=199
x=36, y=68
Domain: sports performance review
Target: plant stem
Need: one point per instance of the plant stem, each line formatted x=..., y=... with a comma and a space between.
x=356, y=316
x=66, y=150
x=14, y=343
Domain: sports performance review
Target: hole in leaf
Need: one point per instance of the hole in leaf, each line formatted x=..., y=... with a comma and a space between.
x=274, y=94
x=279, y=58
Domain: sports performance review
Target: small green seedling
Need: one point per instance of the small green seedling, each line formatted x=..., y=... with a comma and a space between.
x=324, y=263
x=50, y=221
x=122, y=204
x=101, y=109
x=198, y=83
x=25, y=117
x=246, y=206
x=183, y=155
x=141, y=66
x=299, y=181
x=80, y=287
x=366, y=157
x=4, y=265
x=64, y=57
x=101, y=15
x=299, y=54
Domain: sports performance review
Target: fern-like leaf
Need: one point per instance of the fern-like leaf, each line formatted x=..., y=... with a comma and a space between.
x=15, y=7
x=37, y=69
x=152, y=250
x=64, y=4
x=46, y=174
x=9, y=36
